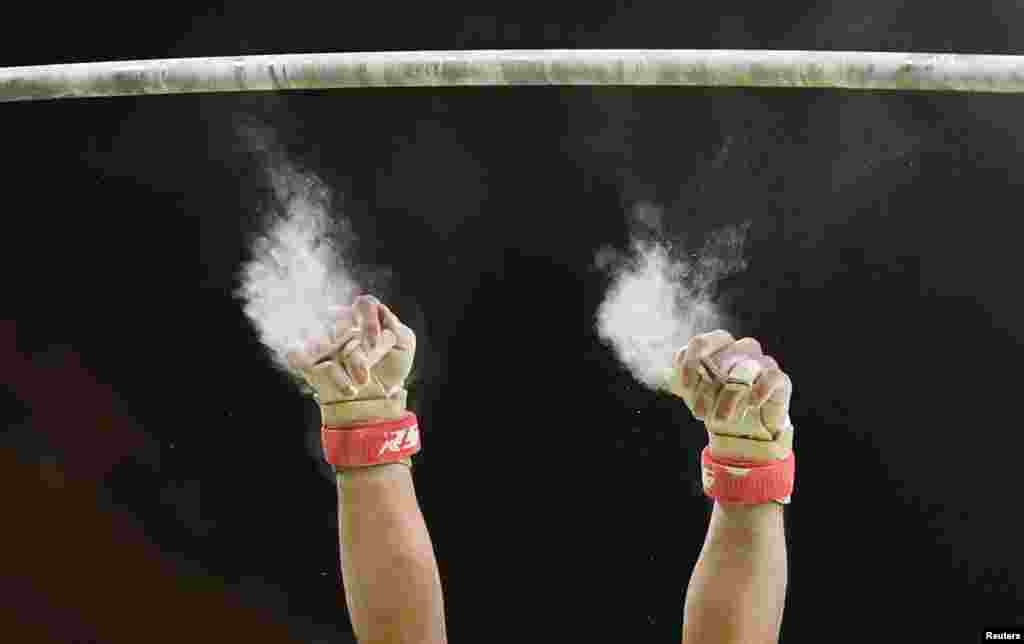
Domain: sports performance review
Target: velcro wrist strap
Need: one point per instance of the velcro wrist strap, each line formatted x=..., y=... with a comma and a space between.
x=734, y=481
x=390, y=441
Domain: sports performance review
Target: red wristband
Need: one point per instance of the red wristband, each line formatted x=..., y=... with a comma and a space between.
x=733, y=481
x=389, y=441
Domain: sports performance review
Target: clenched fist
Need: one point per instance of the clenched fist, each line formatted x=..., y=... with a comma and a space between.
x=743, y=398
x=358, y=371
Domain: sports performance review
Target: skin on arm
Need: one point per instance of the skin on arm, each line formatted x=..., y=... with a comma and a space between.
x=738, y=587
x=392, y=585
x=389, y=569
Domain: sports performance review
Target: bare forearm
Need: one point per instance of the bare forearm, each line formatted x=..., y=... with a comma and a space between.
x=390, y=572
x=738, y=588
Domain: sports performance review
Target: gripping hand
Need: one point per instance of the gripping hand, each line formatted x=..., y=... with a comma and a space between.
x=743, y=397
x=358, y=370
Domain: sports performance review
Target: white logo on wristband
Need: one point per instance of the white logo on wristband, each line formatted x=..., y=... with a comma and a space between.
x=401, y=439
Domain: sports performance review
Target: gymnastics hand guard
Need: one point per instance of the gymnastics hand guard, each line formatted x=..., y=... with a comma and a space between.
x=365, y=423
x=749, y=458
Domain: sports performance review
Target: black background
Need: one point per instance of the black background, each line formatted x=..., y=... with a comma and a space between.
x=161, y=481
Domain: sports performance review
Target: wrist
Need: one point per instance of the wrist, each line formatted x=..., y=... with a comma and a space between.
x=371, y=473
x=745, y=514
x=747, y=482
x=370, y=443
x=746, y=526
x=356, y=412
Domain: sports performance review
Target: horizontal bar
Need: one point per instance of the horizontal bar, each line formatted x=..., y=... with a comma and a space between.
x=629, y=67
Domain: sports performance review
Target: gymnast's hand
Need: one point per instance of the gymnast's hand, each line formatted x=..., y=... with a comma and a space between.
x=358, y=371
x=741, y=394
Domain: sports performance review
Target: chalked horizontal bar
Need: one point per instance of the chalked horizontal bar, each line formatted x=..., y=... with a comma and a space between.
x=856, y=70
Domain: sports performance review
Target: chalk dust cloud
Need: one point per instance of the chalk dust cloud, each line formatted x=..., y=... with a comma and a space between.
x=299, y=266
x=661, y=294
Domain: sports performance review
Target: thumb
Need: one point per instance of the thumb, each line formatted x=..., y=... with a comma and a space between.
x=775, y=409
x=392, y=369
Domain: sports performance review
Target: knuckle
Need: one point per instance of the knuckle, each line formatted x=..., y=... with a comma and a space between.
x=698, y=343
x=766, y=380
x=364, y=304
x=776, y=378
x=781, y=385
x=722, y=335
x=745, y=370
x=749, y=345
x=691, y=365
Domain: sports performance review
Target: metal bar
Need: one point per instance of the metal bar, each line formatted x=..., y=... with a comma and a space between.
x=633, y=67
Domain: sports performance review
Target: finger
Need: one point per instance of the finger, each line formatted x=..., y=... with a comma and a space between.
x=359, y=362
x=768, y=362
x=341, y=379
x=353, y=358
x=770, y=379
x=387, y=341
x=736, y=389
x=318, y=348
x=330, y=382
x=342, y=336
x=677, y=357
x=368, y=317
x=342, y=318
x=706, y=393
x=405, y=338
x=298, y=359
x=720, y=364
x=732, y=354
x=341, y=313
x=772, y=392
x=704, y=380
x=700, y=347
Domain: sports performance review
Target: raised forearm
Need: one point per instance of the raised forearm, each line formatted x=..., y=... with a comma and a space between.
x=738, y=588
x=392, y=585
